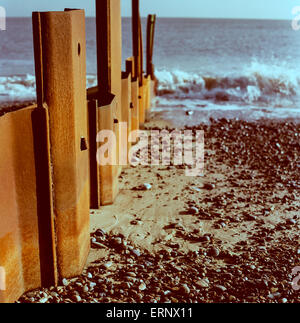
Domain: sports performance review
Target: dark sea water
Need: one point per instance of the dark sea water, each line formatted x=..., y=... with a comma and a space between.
x=200, y=63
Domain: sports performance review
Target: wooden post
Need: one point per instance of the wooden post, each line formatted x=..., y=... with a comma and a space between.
x=21, y=244
x=95, y=193
x=109, y=60
x=109, y=184
x=150, y=44
x=63, y=64
x=134, y=104
x=126, y=116
x=136, y=41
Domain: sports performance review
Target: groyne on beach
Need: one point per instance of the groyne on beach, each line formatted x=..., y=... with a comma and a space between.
x=50, y=176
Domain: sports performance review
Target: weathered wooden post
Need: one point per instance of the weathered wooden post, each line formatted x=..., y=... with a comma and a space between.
x=61, y=54
x=24, y=251
x=95, y=188
x=150, y=77
x=134, y=104
x=137, y=41
x=150, y=45
x=109, y=65
x=125, y=128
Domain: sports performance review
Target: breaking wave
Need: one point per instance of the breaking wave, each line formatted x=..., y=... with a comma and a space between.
x=22, y=87
x=259, y=84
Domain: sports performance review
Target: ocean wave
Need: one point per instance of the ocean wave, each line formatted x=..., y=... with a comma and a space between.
x=20, y=88
x=17, y=88
x=258, y=84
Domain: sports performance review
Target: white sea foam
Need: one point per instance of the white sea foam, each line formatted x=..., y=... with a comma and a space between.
x=258, y=84
x=22, y=87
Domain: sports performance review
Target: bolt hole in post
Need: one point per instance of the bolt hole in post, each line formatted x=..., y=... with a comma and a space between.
x=79, y=49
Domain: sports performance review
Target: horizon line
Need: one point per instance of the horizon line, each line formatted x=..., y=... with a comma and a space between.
x=181, y=17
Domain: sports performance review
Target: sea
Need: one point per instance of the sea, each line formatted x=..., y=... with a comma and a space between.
x=201, y=64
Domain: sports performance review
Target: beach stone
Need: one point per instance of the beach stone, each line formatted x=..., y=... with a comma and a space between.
x=98, y=245
x=100, y=233
x=65, y=282
x=43, y=300
x=209, y=186
x=117, y=241
x=221, y=288
x=108, y=265
x=142, y=286
x=202, y=283
x=214, y=252
x=136, y=252
x=185, y=289
x=193, y=210
x=189, y=113
x=76, y=298
x=251, y=217
x=291, y=222
x=232, y=298
x=92, y=285
x=147, y=186
x=85, y=289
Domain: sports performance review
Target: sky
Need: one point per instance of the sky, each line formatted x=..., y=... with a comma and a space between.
x=245, y=9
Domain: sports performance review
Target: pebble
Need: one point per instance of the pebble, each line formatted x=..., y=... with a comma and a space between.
x=274, y=295
x=147, y=186
x=209, y=186
x=65, y=282
x=100, y=233
x=99, y=245
x=291, y=221
x=136, y=252
x=185, y=289
x=142, y=287
x=85, y=289
x=214, y=252
x=76, y=298
x=251, y=217
x=189, y=113
x=203, y=283
x=117, y=241
x=221, y=288
x=232, y=298
x=193, y=210
x=43, y=300
x=108, y=265
x=92, y=285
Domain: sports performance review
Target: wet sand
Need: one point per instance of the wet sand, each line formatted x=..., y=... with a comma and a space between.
x=229, y=236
